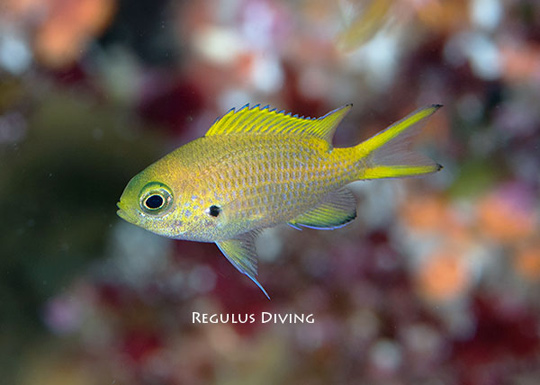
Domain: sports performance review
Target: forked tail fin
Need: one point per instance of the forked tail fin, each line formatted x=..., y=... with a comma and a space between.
x=388, y=154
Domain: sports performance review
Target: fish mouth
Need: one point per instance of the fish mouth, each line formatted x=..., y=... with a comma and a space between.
x=121, y=212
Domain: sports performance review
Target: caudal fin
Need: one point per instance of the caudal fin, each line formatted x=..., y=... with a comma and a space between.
x=388, y=154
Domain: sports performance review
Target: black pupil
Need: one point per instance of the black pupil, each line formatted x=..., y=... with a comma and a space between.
x=214, y=210
x=154, y=202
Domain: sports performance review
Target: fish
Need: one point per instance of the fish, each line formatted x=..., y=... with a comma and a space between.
x=257, y=168
x=363, y=28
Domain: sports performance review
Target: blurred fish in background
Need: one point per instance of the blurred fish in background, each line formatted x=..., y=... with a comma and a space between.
x=436, y=281
x=360, y=26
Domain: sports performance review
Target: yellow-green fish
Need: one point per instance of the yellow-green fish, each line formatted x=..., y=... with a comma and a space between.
x=365, y=26
x=256, y=168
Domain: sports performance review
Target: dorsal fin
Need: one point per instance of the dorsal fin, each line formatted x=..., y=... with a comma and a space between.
x=257, y=120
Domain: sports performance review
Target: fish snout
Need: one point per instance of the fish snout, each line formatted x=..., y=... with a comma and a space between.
x=121, y=212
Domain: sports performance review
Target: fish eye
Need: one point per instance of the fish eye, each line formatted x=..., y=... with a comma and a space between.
x=154, y=202
x=156, y=198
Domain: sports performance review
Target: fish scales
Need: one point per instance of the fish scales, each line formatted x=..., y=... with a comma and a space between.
x=287, y=171
x=257, y=168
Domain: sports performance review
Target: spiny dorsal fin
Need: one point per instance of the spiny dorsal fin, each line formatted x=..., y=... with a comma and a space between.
x=257, y=120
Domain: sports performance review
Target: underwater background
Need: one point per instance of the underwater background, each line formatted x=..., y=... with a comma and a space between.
x=436, y=282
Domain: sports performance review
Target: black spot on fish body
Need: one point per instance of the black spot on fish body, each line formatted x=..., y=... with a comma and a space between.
x=214, y=210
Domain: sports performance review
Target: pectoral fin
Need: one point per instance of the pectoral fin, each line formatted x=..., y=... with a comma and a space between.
x=336, y=210
x=241, y=253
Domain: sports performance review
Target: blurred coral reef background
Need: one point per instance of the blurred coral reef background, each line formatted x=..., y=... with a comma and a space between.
x=436, y=282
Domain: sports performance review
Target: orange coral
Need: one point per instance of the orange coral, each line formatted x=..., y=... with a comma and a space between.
x=443, y=275
x=425, y=213
x=500, y=220
x=61, y=28
x=520, y=63
x=527, y=261
x=445, y=16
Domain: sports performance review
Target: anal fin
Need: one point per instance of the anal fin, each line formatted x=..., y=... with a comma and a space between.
x=240, y=251
x=336, y=210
